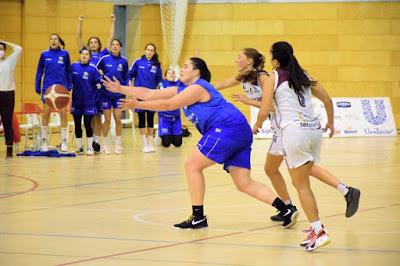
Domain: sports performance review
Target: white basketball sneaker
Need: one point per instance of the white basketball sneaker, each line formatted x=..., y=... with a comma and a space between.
x=118, y=149
x=44, y=146
x=106, y=150
x=318, y=240
x=63, y=146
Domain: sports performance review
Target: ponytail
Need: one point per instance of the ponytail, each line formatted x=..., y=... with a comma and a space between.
x=201, y=65
x=283, y=53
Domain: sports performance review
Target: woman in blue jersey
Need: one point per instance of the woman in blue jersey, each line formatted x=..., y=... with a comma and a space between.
x=169, y=122
x=55, y=68
x=85, y=85
x=147, y=73
x=226, y=140
x=94, y=46
x=113, y=65
x=252, y=77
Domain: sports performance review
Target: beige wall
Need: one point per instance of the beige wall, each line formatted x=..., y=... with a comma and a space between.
x=352, y=48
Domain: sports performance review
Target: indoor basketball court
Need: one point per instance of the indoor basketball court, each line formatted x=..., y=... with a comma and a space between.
x=119, y=208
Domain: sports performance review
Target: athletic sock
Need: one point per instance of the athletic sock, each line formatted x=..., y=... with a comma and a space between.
x=343, y=188
x=197, y=211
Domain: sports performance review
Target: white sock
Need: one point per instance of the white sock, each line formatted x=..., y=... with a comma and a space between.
x=316, y=226
x=44, y=133
x=89, y=141
x=96, y=139
x=144, y=139
x=150, y=140
x=287, y=202
x=118, y=140
x=79, y=142
x=342, y=188
x=64, y=134
x=104, y=140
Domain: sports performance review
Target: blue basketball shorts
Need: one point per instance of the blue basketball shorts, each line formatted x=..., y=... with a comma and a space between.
x=168, y=126
x=230, y=146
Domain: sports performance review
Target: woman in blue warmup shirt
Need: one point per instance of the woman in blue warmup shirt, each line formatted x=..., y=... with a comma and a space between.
x=113, y=65
x=169, y=122
x=94, y=46
x=227, y=137
x=147, y=73
x=55, y=67
x=85, y=84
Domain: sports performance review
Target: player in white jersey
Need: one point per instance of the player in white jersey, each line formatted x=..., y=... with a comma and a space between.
x=290, y=91
x=250, y=64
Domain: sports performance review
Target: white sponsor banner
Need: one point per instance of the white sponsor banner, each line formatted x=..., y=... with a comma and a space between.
x=265, y=131
x=356, y=117
x=353, y=117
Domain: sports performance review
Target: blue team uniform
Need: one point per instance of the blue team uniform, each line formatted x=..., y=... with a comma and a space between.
x=113, y=66
x=227, y=137
x=146, y=74
x=55, y=65
x=95, y=57
x=86, y=82
x=169, y=122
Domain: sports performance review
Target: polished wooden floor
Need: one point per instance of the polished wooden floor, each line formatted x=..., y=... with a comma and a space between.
x=118, y=210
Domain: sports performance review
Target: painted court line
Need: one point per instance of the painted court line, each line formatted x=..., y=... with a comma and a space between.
x=199, y=240
x=12, y=194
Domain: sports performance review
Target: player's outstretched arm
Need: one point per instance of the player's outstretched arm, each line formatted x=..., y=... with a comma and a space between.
x=79, y=40
x=141, y=93
x=230, y=82
x=191, y=95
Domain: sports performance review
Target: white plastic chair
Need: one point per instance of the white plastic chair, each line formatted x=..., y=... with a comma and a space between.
x=54, y=122
x=33, y=123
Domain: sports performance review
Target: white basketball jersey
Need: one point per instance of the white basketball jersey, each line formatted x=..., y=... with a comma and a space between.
x=254, y=91
x=291, y=107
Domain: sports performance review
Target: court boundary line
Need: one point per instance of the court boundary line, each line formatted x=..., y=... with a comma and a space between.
x=34, y=186
x=205, y=238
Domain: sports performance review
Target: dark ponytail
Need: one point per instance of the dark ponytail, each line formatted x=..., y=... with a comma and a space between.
x=283, y=53
x=156, y=61
x=201, y=65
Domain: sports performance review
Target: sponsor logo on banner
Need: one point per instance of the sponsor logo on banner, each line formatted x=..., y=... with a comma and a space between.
x=343, y=104
x=350, y=130
x=380, y=116
x=378, y=131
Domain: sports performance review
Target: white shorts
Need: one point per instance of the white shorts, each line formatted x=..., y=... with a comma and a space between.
x=301, y=145
x=275, y=148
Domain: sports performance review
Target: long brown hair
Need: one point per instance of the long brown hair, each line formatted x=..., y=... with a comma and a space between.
x=258, y=65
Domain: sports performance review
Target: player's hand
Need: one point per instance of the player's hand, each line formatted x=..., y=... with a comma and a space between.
x=81, y=18
x=256, y=128
x=240, y=98
x=126, y=104
x=112, y=17
x=113, y=86
x=331, y=128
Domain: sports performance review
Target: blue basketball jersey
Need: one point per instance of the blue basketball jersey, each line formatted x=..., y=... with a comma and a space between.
x=217, y=112
x=174, y=113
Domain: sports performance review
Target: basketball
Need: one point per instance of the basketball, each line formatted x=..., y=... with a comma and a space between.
x=56, y=96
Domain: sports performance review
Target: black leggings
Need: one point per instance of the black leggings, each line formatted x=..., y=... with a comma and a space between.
x=176, y=140
x=142, y=119
x=7, y=101
x=87, y=121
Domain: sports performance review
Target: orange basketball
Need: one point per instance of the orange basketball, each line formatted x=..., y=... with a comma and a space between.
x=56, y=96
